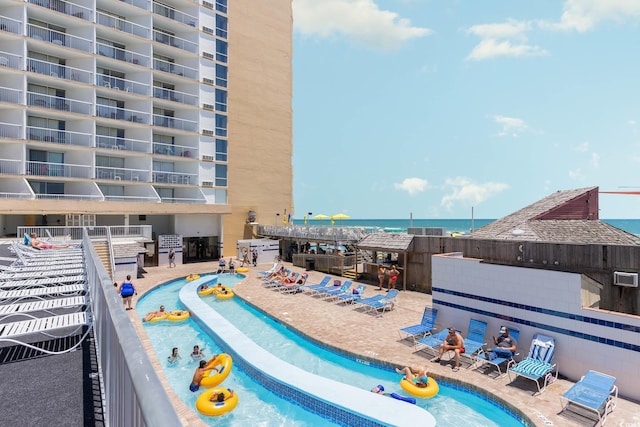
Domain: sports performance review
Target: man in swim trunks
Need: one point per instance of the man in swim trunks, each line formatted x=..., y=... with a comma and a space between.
x=199, y=374
x=417, y=376
x=152, y=314
x=39, y=244
x=454, y=342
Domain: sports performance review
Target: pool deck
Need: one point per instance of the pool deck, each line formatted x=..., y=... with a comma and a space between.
x=376, y=338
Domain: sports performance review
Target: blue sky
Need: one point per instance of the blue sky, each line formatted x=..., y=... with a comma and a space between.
x=434, y=107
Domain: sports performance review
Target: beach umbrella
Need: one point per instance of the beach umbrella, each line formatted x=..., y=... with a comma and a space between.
x=320, y=216
x=340, y=216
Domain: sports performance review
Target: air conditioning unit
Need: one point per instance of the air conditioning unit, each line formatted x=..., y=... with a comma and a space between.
x=207, y=158
x=625, y=279
x=207, y=183
x=208, y=132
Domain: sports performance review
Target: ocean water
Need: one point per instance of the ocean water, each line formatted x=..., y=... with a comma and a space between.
x=450, y=225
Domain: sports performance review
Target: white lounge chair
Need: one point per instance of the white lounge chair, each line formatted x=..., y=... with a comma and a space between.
x=17, y=268
x=47, y=305
x=47, y=272
x=44, y=282
x=19, y=294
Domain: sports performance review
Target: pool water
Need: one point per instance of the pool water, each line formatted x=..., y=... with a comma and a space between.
x=451, y=407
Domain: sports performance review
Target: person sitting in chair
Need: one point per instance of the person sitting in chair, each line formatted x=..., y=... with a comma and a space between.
x=505, y=345
x=454, y=342
x=39, y=244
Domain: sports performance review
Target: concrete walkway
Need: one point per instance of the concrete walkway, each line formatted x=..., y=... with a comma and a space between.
x=377, y=338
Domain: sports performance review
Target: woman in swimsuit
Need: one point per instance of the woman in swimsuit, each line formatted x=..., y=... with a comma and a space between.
x=393, y=276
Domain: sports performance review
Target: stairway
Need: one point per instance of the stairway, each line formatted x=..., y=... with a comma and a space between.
x=350, y=274
x=102, y=248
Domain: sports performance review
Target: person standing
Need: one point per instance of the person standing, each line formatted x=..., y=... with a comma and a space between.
x=381, y=273
x=172, y=258
x=254, y=256
x=393, y=277
x=127, y=291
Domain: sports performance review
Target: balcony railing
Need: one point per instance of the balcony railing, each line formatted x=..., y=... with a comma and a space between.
x=182, y=200
x=60, y=39
x=58, y=103
x=63, y=170
x=142, y=4
x=122, y=84
x=10, y=25
x=11, y=167
x=10, y=60
x=16, y=196
x=59, y=136
x=148, y=199
x=123, y=25
x=10, y=130
x=87, y=197
x=175, y=96
x=173, y=123
x=125, y=144
x=174, y=178
x=174, y=150
x=120, y=174
x=122, y=54
x=179, y=70
x=117, y=113
x=59, y=71
x=174, y=41
x=13, y=96
x=65, y=7
x=174, y=14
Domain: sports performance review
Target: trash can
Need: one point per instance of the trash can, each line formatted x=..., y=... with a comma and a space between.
x=311, y=264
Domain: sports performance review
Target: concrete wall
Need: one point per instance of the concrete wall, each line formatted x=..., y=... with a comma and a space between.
x=534, y=300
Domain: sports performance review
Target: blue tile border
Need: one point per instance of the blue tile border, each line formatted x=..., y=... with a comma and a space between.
x=530, y=308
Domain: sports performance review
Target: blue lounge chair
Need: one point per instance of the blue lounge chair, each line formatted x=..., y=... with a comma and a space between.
x=474, y=341
x=332, y=294
x=430, y=342
x=336, y=285
x=423, y=329
x=350, y=297
x=500, y=360
x=537, y=365
x=595, y=392
x=312, y=286
x=385, y=303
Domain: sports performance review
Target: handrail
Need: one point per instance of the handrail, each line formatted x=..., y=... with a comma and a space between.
x=112, y=262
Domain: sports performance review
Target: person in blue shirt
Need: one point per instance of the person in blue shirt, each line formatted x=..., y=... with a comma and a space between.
x=127, y=291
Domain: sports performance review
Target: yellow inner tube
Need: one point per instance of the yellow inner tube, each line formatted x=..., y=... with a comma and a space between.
x=159, y=318
x=207, y=291
x=214, y=409
x=211, y=378
x=178, y=315
x=242, y=270
x=228, y=295
x=192, y=277
x=429, y=391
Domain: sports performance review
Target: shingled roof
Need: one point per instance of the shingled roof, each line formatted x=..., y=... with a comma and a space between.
x=390, y=242
x=569, y=216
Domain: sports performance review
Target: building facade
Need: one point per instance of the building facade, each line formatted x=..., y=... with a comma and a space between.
x=175, y=114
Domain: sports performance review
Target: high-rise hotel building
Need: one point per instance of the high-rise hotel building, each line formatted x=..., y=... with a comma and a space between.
x=172, y=113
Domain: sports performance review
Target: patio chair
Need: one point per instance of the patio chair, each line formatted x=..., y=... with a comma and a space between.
x=317, y=290
x=499, y=360
x=537, y=365
x=322, y=284
x=431, y=342
x=423, y=329
x=595, y=392
x=352, y=296
x=294, y=287
x=44, y=282
x=46, y=272
x=269, y=271
x=46, y=305
x=387, y=302
x=332, y=291
x=474, y=341
x=19, y=294
x=273, y=282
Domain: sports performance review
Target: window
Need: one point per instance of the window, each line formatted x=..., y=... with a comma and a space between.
x=44, y=129
x=221, y=75
x=47, y=187
x=221, y=175
x=221, y=26
x=221, y=50
x=221, y=150
x=112, y=190
x=109, y=162
x=221, y=100
x=221, y=125
x=221, y=6
x=165, y=193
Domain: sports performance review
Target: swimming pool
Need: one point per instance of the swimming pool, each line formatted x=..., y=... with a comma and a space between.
x=451, y=407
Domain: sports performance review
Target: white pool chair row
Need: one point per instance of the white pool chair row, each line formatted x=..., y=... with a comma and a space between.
x=50, y=291
x=45, y=305
x=46, y=281
x=45, y=272
x=19, y=268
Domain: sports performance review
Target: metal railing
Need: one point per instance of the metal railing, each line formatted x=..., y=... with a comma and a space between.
x=175, y=96
x=122, y=84
x=9, y=130
x=174, y=177
x=58, y=136
x=126, y=144
x=182, y=200
x=76, y=232
x=10, y=60
x=174, y=14
x=327, y=234
x=10, y=166
x=10, y=25
x=81, y=197
x=120, y=174
x=123, y=25
x=142, y=4
x=148, y=199
x=13, y=96
x=174, y=123
x=59, y=71
x=117, y=113
x=179, y=70
x=63, y=170
x=65, y=7
x=6, y=195
x=58, y=38
x=174, y=41
x=58, y=103
x=174, y=150
x=122, y=54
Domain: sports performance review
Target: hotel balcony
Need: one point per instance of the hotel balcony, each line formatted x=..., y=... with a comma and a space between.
x=65, y=7
x=10, y=25
x=117, y=113
x=123, y=25
x=173, y=123
x=59, y=136
x=66, y=196
x=10, y=130
x=175, y=150
x=124, y=144
x=58, y=103
x=12, y=96
x=174, y=178
x=179, y=70
x=175, y=15
x=122, y=54
x=187, y=197
x=10, y=167
x=10, y=60
x=125, y=85
x=175, y=96
x=63, y=170
x=142, y=4
x=58, y=38
x=174, y=41
x=59, y=71
x=121, y=174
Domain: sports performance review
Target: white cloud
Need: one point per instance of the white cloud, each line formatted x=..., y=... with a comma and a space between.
x=503, y=39
x=632, y=122
x=584, y=15
x=583, y=147
x=576, y=174
x=463, y=191
x=358, y=20
x=412, y=185
x=595, y=160
x=511, y=126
